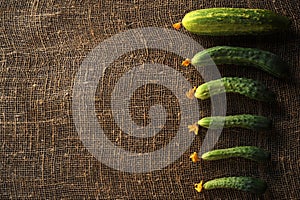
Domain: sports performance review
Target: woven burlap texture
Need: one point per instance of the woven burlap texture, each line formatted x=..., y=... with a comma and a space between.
x=43, y=44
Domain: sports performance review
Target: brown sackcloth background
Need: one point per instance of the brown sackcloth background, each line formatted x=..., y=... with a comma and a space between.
x=43, y=44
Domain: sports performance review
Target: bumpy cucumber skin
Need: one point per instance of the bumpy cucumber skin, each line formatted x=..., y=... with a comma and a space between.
x=248, y=152
x=234, y=21
x=248, y=87
x=247, y=184
x=260, y=59
x=253, y=122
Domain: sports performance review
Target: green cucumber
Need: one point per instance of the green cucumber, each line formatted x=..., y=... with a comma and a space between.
x=248, y=87
x=248, y=152
x=253, y=122
x=234, y=21
x=260, y=59
x=246, y=184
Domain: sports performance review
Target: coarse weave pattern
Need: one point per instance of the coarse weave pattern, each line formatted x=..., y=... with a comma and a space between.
x=42, y=45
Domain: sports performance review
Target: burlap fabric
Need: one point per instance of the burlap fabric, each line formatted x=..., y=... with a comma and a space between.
x=43, y=44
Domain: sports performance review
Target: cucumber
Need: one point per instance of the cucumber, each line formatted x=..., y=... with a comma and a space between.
x=234, y=21
x=248, y=152
x=260, y=59
x=253, y=122
x=247, y=87
x=246, y=184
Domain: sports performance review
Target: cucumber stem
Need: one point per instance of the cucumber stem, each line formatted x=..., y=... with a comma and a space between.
x=194, y=156
x=186, y=62
x=199, y=186
x=177, y=26
x=194, y=128
x=191, y=92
